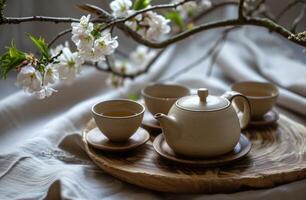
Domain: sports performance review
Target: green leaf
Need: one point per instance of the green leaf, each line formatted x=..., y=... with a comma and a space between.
x=133, y=97
x=96, y=32
x=41, y=45
x=176, y=18
x=10, y=60
x=141, y=4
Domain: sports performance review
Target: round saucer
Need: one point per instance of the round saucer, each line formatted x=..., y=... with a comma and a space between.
x=98, y=140
x=149, y=122
x=269, y=118
x=241, y=149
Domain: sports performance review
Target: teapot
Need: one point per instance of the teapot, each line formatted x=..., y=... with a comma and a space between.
x=204, y=125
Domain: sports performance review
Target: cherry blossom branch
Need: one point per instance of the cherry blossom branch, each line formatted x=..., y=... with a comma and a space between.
x=134, y=75
x=240, y=10
x=261, y=22
x=18, y=20
x=256, y=7
x=64, y=32
x=156, y=7
x=215, y=7
x=148, y=66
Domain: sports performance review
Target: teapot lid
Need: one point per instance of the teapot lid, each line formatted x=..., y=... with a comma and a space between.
x=202, y=102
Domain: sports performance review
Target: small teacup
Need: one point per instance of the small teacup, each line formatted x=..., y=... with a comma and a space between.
x=118, y=119
x=160, y=97
x=261, y=95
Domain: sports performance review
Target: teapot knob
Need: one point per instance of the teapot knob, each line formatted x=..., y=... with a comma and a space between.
x=203, y=93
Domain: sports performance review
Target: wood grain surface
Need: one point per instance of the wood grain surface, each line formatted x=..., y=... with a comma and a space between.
x=277, y=157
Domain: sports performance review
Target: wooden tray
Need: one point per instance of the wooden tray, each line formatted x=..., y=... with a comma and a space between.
x=277, y=157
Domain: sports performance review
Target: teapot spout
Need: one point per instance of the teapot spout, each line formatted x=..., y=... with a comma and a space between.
x=169, y=126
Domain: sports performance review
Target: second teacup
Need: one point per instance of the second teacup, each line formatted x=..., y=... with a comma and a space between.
x=118, y=119
x=261, y=95
x=160, y=97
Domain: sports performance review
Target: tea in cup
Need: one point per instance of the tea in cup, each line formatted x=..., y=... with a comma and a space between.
x=118, y=119
x=261, y=95
x=160, y=97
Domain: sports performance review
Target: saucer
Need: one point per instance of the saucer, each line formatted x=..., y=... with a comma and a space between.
x=269, y=118
x=149, y=122
x=241, y=149
x=98, y=140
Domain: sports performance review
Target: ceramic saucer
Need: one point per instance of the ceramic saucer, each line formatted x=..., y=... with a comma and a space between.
x=98, y=140
x=269, y=118
x=149, y=122
x=241, y=149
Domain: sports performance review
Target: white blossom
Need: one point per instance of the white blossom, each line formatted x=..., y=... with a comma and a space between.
x=46, y=91
x=206, y=4
x=105, y=45
x=121, y=8
x=81, y=34
x=51, y=75
x=82, y=27
x=29, y=79
x=114, y=81
x=158, y=25
x=142, y=55
x=55, y=51
x=133, y=23
x=69, y=65
x=123, y=67
x=250, y=4
x=186, y=9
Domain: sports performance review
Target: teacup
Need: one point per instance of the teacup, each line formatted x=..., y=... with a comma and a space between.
x=261, y=95
x=118, y=119
x=160, y=97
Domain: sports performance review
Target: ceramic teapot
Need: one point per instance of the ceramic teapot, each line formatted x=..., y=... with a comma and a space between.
x=204, y=125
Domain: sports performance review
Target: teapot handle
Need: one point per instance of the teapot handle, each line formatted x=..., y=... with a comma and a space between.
x=243, y=107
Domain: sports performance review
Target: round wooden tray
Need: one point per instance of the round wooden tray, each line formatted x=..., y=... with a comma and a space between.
x=277, y=157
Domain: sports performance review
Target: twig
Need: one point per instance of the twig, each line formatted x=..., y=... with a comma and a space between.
x=240, y=10
x=201, y=59
x=58, y=36
x=249, y=13
x=217, y=52
x=288, y=7
x=147, y=68
x=157, y=7
x=298, y=19
x=134, y=75
x=18, y=20
x=215, y=7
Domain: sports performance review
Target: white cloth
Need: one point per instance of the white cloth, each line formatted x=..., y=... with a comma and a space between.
x=41, y=149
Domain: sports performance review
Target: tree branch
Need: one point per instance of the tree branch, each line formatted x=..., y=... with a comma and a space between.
x=215, y=7
x=240, y=10
x=261, y=22
x=134, y=75
x=64, y=32
x=18, y=20
x=156, y=7
x=206, y=55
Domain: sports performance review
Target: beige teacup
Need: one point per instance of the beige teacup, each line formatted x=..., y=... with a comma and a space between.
x=160, y=97
x=262, y=96
x=118, y=119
